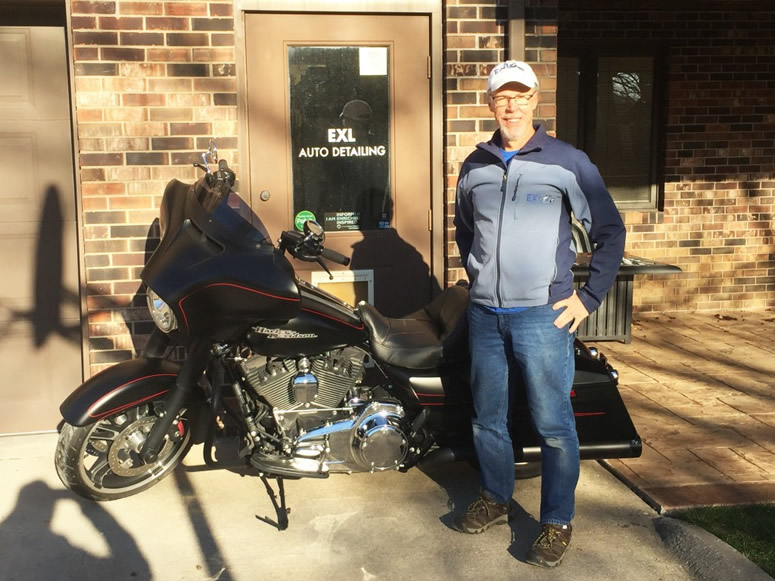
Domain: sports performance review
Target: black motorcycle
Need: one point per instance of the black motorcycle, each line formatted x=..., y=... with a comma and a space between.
x=306, y=384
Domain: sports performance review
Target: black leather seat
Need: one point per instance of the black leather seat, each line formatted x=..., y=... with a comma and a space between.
x=422, y=339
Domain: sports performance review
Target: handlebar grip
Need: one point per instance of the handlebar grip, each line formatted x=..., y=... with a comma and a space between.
x=226, y=173
x=222, y=180
x=335, y=256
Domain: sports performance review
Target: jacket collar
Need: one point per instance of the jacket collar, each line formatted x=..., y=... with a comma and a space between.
x=535, y=143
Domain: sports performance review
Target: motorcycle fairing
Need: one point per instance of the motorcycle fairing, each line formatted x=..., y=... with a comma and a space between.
x=119, y=387
x=218, y=272
x=224, y=310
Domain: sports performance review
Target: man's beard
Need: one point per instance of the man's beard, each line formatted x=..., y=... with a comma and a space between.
x=511, y=132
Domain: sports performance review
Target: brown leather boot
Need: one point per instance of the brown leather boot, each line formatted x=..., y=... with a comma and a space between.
x=550, y=546
x=482, y=514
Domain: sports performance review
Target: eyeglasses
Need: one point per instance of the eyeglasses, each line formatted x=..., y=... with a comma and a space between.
x=502, y=101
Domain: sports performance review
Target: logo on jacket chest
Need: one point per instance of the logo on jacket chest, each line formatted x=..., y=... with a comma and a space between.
x=540, y=199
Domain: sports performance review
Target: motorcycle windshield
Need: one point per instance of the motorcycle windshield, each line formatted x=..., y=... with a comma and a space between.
x=234, y=214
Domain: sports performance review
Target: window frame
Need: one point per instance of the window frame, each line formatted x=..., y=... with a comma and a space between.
x=589, y=55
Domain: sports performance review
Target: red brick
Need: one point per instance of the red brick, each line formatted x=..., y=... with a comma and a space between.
x=83, y=22
x=221, y=9
x=169, y=55
x=143, y=8
x=167, y=23
x=141, y=38
x=92, y=174
x=121, y=23
x=212, y=24
x=103, y=189
x=144, y=70
x=94, y=204
x=209, y=85
x=171, y=143
x=170, y=85
x=136, y=259
x=190, y=128
x=188, y=39
x=147, y=158
x=123, y=54
x=86, y=53
x=222, y=39
x=95, y=38
x=213, y=55
x=85, y=7
x=131, y=203
x=101, y=159
x=104, y=217
x=185, y=8
x=143, y=100
x=96, y=69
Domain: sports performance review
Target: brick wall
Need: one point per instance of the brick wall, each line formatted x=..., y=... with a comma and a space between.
x=153, y=82
x=720, y=154
x=475, y=40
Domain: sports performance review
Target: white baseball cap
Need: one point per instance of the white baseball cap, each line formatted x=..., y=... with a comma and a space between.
x=511, y=72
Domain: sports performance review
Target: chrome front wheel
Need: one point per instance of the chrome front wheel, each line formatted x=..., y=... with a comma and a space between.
x=101, y=461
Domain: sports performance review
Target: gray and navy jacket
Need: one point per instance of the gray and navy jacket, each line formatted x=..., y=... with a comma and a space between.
x=513, y=224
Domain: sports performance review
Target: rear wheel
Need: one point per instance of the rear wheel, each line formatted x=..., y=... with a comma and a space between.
x=102, y=461
x=525, y=470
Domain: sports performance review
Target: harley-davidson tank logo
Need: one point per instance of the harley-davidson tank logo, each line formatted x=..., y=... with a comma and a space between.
x=283, y=333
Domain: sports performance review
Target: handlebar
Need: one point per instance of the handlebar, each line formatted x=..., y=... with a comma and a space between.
x=335, y=256
x=309, y=247
x=222, y=180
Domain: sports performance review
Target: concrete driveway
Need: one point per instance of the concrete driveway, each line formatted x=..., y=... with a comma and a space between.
x=200, y=524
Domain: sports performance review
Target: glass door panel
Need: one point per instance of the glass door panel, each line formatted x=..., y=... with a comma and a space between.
x=340, y=132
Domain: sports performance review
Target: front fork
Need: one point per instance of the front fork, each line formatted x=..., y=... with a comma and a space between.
x=198, y=357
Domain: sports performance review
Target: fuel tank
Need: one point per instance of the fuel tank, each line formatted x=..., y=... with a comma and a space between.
x=324, y=323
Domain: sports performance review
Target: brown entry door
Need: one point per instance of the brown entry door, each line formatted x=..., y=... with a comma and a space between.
x=40, y=329
x=340, y=131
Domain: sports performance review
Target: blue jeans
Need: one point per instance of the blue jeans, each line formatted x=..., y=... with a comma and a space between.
x=525, y=343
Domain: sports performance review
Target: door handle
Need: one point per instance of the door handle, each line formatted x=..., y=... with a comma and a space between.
x=264, y=195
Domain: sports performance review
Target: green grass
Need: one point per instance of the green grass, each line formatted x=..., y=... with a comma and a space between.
x=749, y=529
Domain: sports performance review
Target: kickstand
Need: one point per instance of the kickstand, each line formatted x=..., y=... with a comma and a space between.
x=280, y=509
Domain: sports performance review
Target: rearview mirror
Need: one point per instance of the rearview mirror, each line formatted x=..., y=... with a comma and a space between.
x=312, y=227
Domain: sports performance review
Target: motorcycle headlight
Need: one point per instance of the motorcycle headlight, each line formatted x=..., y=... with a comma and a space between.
x=161, y=312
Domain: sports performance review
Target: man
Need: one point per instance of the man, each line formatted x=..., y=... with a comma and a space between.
x=515, y=197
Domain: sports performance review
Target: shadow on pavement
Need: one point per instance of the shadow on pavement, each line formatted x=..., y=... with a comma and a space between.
x=30, y=523
x=460, y=482
x=208, y=545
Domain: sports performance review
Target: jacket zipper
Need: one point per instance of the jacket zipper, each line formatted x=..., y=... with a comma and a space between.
x=498, y=246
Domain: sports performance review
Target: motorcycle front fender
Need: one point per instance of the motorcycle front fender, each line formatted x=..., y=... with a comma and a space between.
x=117, y=388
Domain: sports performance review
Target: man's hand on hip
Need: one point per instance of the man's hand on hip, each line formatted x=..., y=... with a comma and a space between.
x=574, y=312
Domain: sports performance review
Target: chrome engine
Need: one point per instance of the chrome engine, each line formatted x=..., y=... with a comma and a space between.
x=327, y=422
x=324, y=380
x=371, y=440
